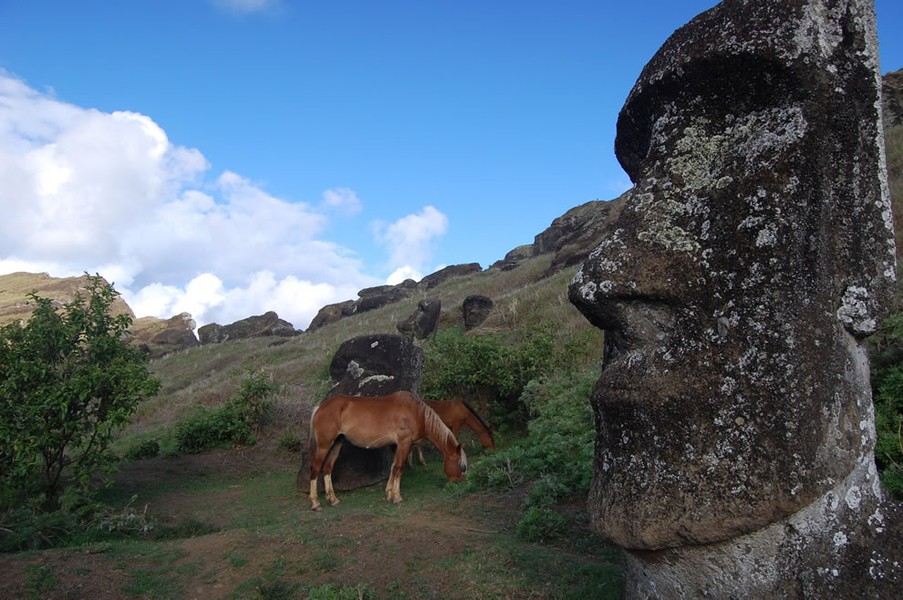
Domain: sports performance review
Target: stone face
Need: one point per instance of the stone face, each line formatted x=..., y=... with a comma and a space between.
x=751, y=258
x=370, y=365
x=424, y=322
x=476, y=309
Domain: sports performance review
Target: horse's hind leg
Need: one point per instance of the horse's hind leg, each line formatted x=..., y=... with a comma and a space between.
x=331, y=457
x=393, y=487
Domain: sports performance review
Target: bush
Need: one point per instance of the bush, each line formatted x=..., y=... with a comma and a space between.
x=146, y=449
x=233, y=423
x=556, y=456
x=68, y=381
x=497, y=365
x=887, y=391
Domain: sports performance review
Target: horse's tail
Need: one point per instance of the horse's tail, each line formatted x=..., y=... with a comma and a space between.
x=483, y=423
x=312, y=444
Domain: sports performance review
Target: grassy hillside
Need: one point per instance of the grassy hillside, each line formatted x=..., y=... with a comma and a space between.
x=210, y=374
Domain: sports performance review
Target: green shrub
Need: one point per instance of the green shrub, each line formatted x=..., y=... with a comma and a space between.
x=498, y=365
x=559, y=444
x=68, y=381
x=233, y=423
x=146, y=449
x=887, y=390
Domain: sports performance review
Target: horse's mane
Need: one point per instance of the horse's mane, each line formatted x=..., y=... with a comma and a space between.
x=477, y=415
x=435, y=426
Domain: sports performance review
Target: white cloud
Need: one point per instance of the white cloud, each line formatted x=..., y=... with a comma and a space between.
x=402, y=273
x=82, y=190
x=342, y=200
x=410, y=239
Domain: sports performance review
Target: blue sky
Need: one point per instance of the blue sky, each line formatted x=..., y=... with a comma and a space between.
x=228, y=157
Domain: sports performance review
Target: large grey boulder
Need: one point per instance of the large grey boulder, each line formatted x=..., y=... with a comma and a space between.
x=735, y=426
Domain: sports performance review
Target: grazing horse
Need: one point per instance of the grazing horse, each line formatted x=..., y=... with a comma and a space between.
x=456, y=414
x=374, y=422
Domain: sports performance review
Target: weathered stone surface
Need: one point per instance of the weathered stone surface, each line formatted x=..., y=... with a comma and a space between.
x=476, y=309
x=370, y=365
x=573, y=235
x=514, y=258
x=267, y=324
x=330, y=314
x=735, y=426
x=377, y=297
x=159, y=337
x=443, y=275
x=424, y=321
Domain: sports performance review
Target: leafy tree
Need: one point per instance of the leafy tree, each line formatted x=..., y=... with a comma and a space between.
x=68, y=381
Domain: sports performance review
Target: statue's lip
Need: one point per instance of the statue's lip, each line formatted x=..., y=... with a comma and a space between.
x=635, y=327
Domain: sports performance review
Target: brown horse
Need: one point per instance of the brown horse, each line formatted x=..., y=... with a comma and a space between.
x=456, y=414
x=374, y=422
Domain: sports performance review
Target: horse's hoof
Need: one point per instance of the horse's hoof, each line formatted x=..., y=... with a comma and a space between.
x=316, y=508
x=334, y=502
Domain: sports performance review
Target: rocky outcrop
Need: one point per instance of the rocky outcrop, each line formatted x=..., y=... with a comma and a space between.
x=443, y=275
x=267, y=324
x=424, y=322
x=331, y=313
x=573, y=235
x=735, y=427
x=371, y=365
x=476, y=309
x=380, y=296
x=377, y=297
x=570, y=237
x=159, y=337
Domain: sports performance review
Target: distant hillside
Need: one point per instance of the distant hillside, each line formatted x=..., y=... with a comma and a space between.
x=16, y=287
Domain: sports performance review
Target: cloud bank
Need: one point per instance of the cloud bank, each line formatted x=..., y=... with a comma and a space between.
x=83, y=190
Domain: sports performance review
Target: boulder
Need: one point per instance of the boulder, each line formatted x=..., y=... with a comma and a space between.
x=443, y=275
x=476, y=309
x=330, y=314
x=370, y=365
x=515, y=257
x=377, y=297
x=267, y=324
x=424, y=322
x=735, y=426
x=159, y=337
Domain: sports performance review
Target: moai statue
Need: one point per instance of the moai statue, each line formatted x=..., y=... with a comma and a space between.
x=754, y=255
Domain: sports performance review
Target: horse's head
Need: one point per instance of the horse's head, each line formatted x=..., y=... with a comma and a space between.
x=456, y=464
